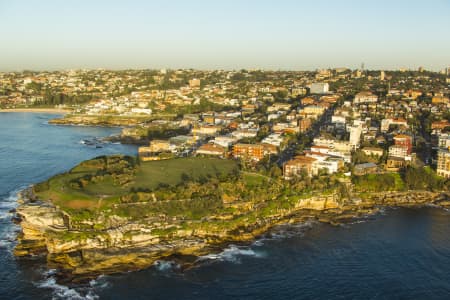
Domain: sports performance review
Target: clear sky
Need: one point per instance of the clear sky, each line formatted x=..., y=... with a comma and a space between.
x=226, y=34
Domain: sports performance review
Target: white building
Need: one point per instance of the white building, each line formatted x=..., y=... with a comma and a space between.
x=444, y=141
x=338, y=119
x=355, y=136
x=273, y=139
x=443, y=163
x=398, y=151
x=319, y=88
x=331, y=165
x=385, y=123
x=245, y=133
x=225, y=141
x=365, y=97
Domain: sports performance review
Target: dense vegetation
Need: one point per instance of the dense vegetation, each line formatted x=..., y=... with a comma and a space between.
x=198, y=188
x=411, y=178
x=106, y=182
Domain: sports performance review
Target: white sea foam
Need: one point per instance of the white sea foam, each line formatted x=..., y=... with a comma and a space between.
x=100, y=282
x=232, y=254
x=165, y=265
x=281, y=232
x=8, y=230
x=60, y=291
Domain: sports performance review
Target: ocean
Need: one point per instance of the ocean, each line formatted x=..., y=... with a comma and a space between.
x=396, y=254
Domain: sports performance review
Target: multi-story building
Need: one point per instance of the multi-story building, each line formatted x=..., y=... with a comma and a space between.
x=297, y=166
x=194, y=83
x=404, y=140
x=314, y=110
x=385, y=123
x=443, y=163
x=319, y=88
x=304, y=124
x=211, y=149
x=439, y=100
x=248, y=151
x=372, y=151
x=398, y=151
x=355, y=136
x=206, y=130
x=444, y=140
x=365, y=97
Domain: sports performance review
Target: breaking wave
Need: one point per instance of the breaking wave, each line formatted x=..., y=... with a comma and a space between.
x=59, y=291
x=281, y=232
x=233, y=254
x=63, y=292
x=166, y=265
x=8, y=230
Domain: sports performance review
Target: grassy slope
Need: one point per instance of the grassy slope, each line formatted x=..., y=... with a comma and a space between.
x=103, y=193
x=170, y=172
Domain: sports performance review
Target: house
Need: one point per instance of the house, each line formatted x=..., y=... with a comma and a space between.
x=209, y=118
x=320, y=149
x=206, y=130
x=372, y=151
x=194, y=83
x=211, y=149
x=439, y=100
x=338, y=120
x=444, y=140
x=315, y=110
x=245, y=133
x=365, y=97
x=156, y=146
x=395, y=163
x=159, y=146
x=279, y=106
x=273, y=139
x=366, y=168
x=297, y=166
x=438, y=126
x=225, y=141
x=386, y=123
x=308, y=101
x=330, y=165
x=304, y=124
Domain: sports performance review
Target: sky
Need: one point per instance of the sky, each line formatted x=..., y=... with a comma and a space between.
x=226, y=34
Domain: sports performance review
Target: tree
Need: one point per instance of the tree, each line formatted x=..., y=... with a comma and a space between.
x=275, y=171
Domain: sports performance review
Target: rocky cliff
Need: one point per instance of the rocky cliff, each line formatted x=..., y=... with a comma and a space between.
x=122, y=245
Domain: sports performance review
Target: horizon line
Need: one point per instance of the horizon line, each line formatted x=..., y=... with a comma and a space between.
x=221, y=69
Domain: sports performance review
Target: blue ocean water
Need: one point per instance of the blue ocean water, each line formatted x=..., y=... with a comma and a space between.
x=399, y=254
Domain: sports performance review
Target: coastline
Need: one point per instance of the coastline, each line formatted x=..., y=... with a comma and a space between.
x=116, y=251
x=37, y=110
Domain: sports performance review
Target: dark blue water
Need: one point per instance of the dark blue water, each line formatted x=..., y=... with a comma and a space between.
x=400, y=254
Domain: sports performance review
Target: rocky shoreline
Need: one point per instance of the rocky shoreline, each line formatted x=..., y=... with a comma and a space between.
x=130, y=246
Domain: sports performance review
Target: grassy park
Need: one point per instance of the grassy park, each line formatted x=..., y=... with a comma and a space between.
x=99, y=184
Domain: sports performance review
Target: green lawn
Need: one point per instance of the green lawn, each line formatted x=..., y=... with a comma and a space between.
x=105, y=179
x=173, y=171
x=253, y=179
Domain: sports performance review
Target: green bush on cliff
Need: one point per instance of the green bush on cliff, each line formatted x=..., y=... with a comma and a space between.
x=422, y=179
x=378, y=182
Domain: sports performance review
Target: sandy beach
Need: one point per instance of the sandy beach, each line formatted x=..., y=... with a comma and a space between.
x=37, y=110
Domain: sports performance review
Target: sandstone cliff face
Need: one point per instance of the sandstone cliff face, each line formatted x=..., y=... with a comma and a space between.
x=123, y=246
